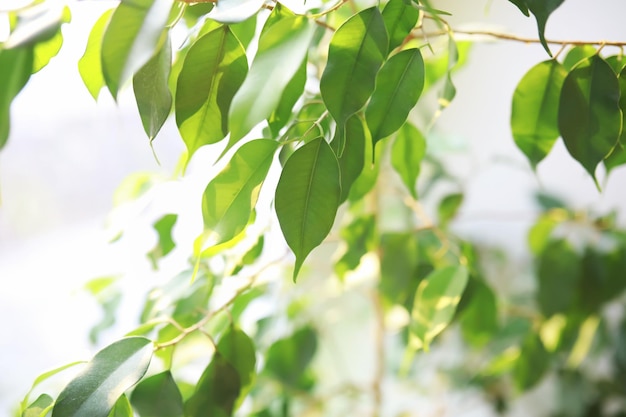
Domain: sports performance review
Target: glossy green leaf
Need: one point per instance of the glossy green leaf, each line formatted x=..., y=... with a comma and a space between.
x=399, y=84
x=131, y=39
x=214, y=69
x=532, y=363
x=289, y=358
x=39, y=406
x=238, y=349
x=616, y=158
x=158, y=396
x=307, y=198
x=590, y=120
x=293, y=91
x=352, y=160
x=369, y=175
x=577, y=54
x=448, y=208
x=359, y=238
x=356, y=52
x=435, y=302
x=216, y=391
x=15, y=70
x=90, y=64
x=229, y=199
x=534, y=111
x=400, y=17
x=121, y=408
x=258, y=97
x=165, y=243
x=542, y=9
x=407, y=152
x=152, y=92
x=113, y=370
x=559, y=276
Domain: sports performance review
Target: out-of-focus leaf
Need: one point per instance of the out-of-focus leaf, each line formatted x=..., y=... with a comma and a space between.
x=521, y=5
x=165, y=243
x=121, y=408
x=238, y=349
x=15, y=70
x=90, y=64
x=407, y=152
x=479, y=320
x=289, y=358
x=532, y=363
x=158, y=396
x=37, y=407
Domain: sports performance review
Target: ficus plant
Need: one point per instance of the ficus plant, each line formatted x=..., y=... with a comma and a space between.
x=310, y=111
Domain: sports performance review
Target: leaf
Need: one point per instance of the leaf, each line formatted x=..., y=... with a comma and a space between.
x=43, y=377
x=165, y=244
x=479, y=320
x=407, y=152
x=534, y=111
x=542, y=9
x=121, y=408
x=622, y=104
x=559, y=276
x=617, y=62
x=521, y=5
x=158, y=396
x=293, y=91
x=152, y=92
x=238, y=349
x=244, y=31
x=112, y=371
x=577, y=54
x=289, y=358
x=435, y=302
x=228, y=200
x=234, y=11
x=400, y=18
x=448, y=208
x=356, y=52
x=307, y=198
x=46, y=50
x=359, y=237
x=532, y=363
x=590, y=119
x=39, y=406
x=131, y=39
x=15, y=70
x=214, y=69
x=262, y=89
x=399, y=84
x=216, y=391
x=90, y=64
x=352, y=160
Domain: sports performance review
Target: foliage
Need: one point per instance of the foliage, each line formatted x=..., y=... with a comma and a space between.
x=314, y=109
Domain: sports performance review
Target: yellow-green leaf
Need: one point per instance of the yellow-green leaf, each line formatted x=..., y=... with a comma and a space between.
x=90, y=64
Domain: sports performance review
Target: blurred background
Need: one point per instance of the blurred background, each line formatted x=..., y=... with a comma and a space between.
x=67, y=155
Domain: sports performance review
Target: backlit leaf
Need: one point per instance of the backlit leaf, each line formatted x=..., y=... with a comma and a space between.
x=43, y=377
x=399, y=84
x=37, y=408
x=90, y=64
x=39, y=25
x=213, y=71
x=216, y=391
x=622, y=104
x=152, y=92
x=307, y=198
x=262, y=89
x=534, y=111
x=479, y=320
x=400, y=18
x=229, y=199
x=542, y=9
x=521, y=5
x=131, y=38
x=165, y=244
x=435, y=302
x=407, y=152
x=590, y=119
x=158, y=396
x=358, y=238
x=113, y=370
x=357, y=50
x=121, y=408
x=559, y=276
x=15, y=70
x=448, y=208
x=577, y=54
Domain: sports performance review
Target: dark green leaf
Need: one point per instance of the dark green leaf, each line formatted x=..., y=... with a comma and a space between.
x=534, y=112
x=113, y=370
x=165, y=244
x=357, y=50
x=539, y=234
x=521, y=5
x=90, y=64
x=559, y=275
x=353, y=158
x=590, y=119
x=238, y=349
x=46, y=50
x=131, y=38
x=158, y=396
x=407, y=152
x=152, y=92
x=399, y=84
x=435, y=302
x=532, y=363
x=288, y=359
x=121, y=408
x=216, y=391
x=399, y=258
x=577, y=54
x=622, y=105
x=235, y=11
x=542, y=9
x=400, y=19
x=262, y=89
x=307, y=198
x=448, y=208
x=37, y=408
x=449, y=90
x=213, y=71
x=15, y=69
x=229, y=199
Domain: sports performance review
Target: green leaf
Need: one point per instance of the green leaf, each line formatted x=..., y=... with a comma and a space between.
x=532, y=363
x=407, y=152
x=90, y=64
x=534, y=111
x=448, y=208
x=559, y=276
x=479, y=320
x=289, y=358
x=214, y=69
x=622, y=104
x=399, y=84
x=43, y=377
x=352, y=160
x=40, y=24
x=262, y=89
x=293, y=91
x=359, y=237
x=577, y=54
x=112, y=371
x=15, y=70
x=229, y=199
x=542, y=9
x=399, y=259
x=235, y=11
x=521, y=5
x=152, y=92
x=39, y=406
x=590, y=120
x=244, y=31
x=121, y=408
x=400, y=17
x=163, y=227
x=435, y=302
x=158, y=396
x=216, y=391
x=307, y=198
x=356, y=52
x=131, y=39
x=238, y=349
x=449, y=90
x=539, y=234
